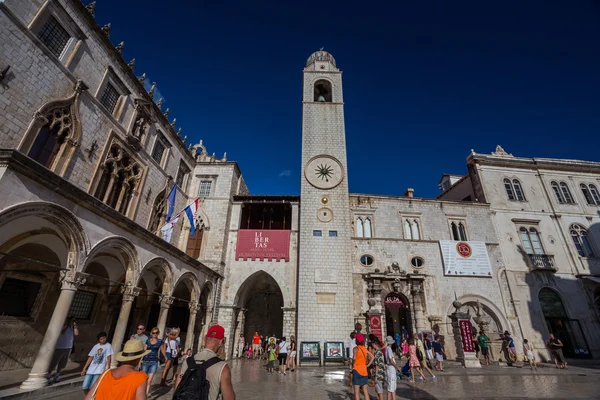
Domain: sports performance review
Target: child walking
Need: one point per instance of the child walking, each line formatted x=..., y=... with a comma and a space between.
x=98, y=361
x=272, y=356
x=439, y=354
x=528, y=350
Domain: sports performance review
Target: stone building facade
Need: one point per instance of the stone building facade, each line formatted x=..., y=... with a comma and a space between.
x=546, y=215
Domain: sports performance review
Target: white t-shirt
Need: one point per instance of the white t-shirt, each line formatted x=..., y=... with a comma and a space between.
x=352, y=346
x=389, y=356
x=283, y=347
x=100, y=352
x=65, y=340
x=172, y=347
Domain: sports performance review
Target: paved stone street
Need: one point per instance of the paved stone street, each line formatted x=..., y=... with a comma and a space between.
x=251, y=382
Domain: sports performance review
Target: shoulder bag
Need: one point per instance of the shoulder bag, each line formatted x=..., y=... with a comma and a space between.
x=98, y=384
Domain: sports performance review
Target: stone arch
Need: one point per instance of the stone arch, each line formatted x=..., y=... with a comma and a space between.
x=61, y=115
x=191, y=281
x=236, y=289
x=323, y=91
x=63, y=222
x=160, y=264
x=125, y=248
x=488, y=307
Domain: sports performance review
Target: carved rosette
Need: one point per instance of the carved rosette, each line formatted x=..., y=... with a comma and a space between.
x=71, y=280
x=130, y=292
x=165, y=301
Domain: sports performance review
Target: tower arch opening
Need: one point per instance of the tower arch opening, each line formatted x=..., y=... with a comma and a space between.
x=323, y=92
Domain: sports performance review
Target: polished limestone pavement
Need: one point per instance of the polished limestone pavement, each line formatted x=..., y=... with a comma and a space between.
x=251, y=382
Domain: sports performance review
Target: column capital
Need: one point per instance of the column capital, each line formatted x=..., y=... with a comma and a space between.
x=130, y=292
x=165, y=301
x=194, y=307
x=71, y=279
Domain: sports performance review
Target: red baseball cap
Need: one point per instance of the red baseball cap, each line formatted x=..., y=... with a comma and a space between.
x=216, y=332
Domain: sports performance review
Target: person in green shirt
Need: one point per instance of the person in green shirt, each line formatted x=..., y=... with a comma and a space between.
x=272, y=356
x=485, y=347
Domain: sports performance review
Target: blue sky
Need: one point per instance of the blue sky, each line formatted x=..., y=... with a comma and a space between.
x=424, y=81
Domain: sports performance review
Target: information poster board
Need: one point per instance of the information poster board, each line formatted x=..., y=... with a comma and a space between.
x=465, y=258
x=334, y=350
x=310, y=351
x=375, y=326
x=466, y=333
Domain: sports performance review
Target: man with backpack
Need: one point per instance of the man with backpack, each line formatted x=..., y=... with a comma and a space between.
x=205, y=376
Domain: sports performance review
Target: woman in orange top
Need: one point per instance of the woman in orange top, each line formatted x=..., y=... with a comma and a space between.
x=362, y=360
x=123, y=382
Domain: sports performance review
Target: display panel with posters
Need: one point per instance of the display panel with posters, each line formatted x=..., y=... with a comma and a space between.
x=310, y=351
x=334, y=350
x=465, y=258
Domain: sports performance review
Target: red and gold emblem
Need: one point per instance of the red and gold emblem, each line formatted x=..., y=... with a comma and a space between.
x=464, y=249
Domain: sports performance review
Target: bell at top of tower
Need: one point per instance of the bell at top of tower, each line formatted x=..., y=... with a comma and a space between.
x=321, y=61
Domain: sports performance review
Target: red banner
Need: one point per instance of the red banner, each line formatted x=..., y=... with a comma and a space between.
x=466, y=333
x=375, y=326
x=264, y=244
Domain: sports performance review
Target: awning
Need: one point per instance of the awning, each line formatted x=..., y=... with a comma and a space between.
x=592, y=278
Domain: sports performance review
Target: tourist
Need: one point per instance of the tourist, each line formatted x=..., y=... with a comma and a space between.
x=361, y=360
x=428, y=348
x=380, y=367
x=123, y=382
x=98, y=361
x=351, y=356
x=484, y=343
x=271, y=357
x=391, y=369
x=283, y=348
x=404, y=348
x=476, y=346
x=63, y=348
x=248, y=351
x=172, y=348
x=439, y=354
x=255, y=344
x=510, y=347
x=218, y=375
x=149, y=363
x=421, y=354
x=528, y=350
x=404, y=333
x=240, y=347
x=556, y=346
x=413, y=361
x=140, y=334
x=292, y=356
x=397, y=340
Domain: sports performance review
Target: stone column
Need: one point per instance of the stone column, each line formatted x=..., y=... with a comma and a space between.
x=227, y=321
x=417, y=294
x=165, y=304
x=194, y=306
x=129, y=294
x=289, y=321
x=70, y=281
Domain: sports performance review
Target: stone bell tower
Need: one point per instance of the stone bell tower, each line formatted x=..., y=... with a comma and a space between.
x=325, y=293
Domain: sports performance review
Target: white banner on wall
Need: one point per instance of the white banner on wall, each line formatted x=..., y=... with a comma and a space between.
x=465, y=258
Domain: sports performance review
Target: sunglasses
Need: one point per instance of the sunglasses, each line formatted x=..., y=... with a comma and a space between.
x=155, y=333
x=140, y=329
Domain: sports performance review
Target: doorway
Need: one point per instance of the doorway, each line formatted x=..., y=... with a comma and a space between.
x=261, y=296
x=397, y=314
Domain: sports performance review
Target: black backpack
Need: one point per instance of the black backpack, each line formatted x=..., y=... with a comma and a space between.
x=193, y=385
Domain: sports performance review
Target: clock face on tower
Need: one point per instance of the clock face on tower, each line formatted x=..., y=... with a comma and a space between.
x=324, y=172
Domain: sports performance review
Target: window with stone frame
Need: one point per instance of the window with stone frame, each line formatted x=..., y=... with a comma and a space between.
x=120, y=178
x=159, y=212
x=182, y=176
x=159, y=149
x=590, y=192
x=51, y=137
x=514, y=190
x=458, y=229
x=531, y=240
x=110, y=97
x=364, y=227
x=205, y=188
x=411, y=226
x=562, y=192
x=54, y=36
x=18, y=296
x=581, y=240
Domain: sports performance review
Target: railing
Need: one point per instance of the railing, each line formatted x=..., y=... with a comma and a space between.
x=543, y=262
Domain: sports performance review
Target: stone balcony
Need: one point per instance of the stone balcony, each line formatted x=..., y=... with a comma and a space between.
x=541, y=262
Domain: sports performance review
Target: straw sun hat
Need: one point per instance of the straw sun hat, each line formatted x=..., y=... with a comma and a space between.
x=132, y=350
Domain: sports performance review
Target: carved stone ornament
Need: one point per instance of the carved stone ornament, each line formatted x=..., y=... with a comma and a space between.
x=71, y=280
x=166, y=301
x=500, y=152
x=119, y=48
x=131, y=64
x=194, y=307
x=130, y=292
x=91, y=8
x=106, y=30
x=142, y=78
x=152, y=89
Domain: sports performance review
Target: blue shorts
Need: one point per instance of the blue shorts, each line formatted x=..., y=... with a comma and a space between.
x=149, y=367
x=358, y=379
x=89, y=380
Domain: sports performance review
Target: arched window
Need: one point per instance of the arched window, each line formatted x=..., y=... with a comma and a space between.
x=323, y=92
x=566, y=192
x=581, y=241
x=407, y=230
x=552, y=305
x=359, y=227
x=416, y=233
x=509, y=189
x=531, y=241
x=367, y=225
x=157, y=219
x=557, y=192
x=194, y=243
x=514, y=190
x=46, y=146
x=454, y=228
x=120, y=177
x=462, y=231
x=518, y=190
x=590, y=192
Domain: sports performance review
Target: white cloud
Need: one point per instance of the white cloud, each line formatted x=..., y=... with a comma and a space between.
x=285, y=172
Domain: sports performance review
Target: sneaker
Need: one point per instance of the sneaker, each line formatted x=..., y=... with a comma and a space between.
x=420, y=379
x=56, y=378
x=434, y=377
x=284, y=373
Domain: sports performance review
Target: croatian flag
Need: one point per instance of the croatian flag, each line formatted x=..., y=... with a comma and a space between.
x=190, y=211
x=167, y=229
x=171, y=200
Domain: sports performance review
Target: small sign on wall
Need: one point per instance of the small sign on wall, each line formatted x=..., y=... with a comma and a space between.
x=325, y=275
x=325, y=298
